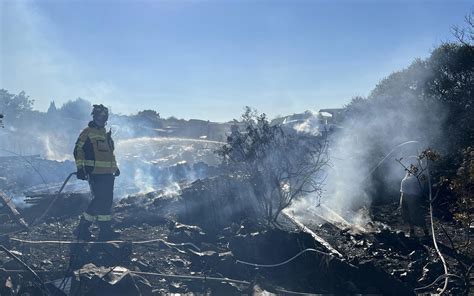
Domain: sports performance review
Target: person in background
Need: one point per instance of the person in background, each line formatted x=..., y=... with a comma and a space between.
x=411, y=203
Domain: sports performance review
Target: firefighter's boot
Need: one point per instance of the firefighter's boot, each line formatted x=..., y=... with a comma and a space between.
x=106, y=232
x=82, y=231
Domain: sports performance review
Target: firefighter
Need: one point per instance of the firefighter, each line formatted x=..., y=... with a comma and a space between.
x=95, y=162
x=411, y=203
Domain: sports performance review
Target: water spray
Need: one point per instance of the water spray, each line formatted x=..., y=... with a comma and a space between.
x=386, y=156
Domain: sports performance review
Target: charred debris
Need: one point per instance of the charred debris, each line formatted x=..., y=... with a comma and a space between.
x=213, y=233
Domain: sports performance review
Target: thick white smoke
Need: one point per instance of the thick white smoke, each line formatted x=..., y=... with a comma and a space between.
x=364, y=150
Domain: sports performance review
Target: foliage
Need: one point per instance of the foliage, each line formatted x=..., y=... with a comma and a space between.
x=446, y=79
x=281, y=164
x=465, y=35
x=147, y=120
x=52, y=108
x=357, y=106
x=452, y=85
x=150, y=114
x=438, y=91
x=420, y=168
x=13, y=106
x=77, y=109
x=463, y=187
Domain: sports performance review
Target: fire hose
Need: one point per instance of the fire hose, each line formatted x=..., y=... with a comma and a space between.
x=45, y=242
x=57, y=195
x=37, y=220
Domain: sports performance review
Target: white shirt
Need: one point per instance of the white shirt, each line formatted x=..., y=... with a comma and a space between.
x=410, y=185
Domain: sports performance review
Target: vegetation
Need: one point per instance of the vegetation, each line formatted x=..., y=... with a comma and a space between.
x=281, y=164
x=15, y=107
x=463, y=186
x=432, y=102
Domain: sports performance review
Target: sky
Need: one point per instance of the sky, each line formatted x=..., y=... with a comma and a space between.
x=209, y=59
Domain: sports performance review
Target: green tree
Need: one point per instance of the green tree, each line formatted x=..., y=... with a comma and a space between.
x=452, y=84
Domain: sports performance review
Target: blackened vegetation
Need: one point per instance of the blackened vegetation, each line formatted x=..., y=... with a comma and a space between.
x=280, y=164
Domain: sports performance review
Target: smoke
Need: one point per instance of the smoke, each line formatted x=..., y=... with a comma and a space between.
x=363, y=151
x=143, y=181
x=54, y=148
x=155, y=163
x=311, y=125
x=172, y=189
x=147, y=164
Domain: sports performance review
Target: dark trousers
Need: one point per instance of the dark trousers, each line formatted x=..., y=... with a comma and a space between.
x=102, y=189
x=413, y=211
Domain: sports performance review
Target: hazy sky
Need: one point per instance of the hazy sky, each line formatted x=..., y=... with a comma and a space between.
x=208, y=59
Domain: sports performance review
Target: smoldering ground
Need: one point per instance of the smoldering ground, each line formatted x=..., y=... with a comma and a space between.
x=374, y=133
x=148, y=162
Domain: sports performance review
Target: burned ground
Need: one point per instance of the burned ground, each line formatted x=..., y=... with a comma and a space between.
x=178, y=243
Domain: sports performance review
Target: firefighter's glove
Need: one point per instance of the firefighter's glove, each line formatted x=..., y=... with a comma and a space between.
x=81, y=174
x=117, y=172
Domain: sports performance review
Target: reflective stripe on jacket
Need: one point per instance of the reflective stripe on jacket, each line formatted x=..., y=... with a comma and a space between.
x=98, y=218
x=94, y=151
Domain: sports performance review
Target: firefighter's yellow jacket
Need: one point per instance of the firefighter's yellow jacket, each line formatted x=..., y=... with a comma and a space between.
x=94, y=151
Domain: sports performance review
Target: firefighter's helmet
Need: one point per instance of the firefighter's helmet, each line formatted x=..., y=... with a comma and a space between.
x=100, y=110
